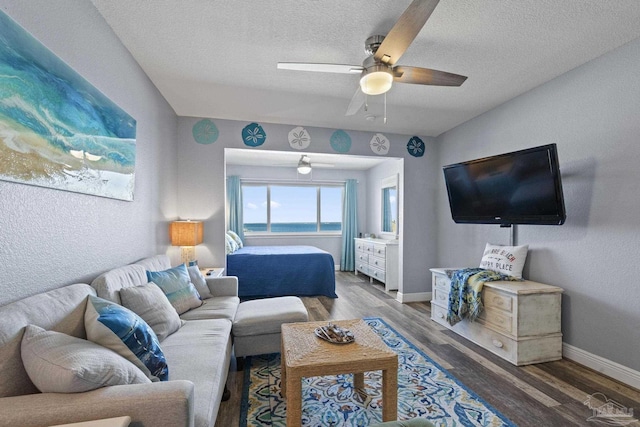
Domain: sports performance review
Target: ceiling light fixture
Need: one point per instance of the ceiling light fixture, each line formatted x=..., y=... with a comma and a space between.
x=377, y=78
x=304, y=165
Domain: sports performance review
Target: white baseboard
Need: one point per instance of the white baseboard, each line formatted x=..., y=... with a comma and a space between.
x=602, y=365
x=413, y=297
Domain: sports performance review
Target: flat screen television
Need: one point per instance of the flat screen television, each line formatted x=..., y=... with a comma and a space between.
x=522, y=187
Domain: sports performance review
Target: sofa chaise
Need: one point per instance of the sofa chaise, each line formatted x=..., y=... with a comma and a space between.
x=197, y=354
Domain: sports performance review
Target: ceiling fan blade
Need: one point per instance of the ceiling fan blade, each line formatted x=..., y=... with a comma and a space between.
x=357, y=102
x=405, y=31
x=322, y=68
x=426, y=76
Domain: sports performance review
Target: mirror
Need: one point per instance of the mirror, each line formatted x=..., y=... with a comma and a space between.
x=389, y=203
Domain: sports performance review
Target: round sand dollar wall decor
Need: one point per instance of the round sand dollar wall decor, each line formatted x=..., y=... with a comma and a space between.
x=205, y=132
x=340, y=141
x=253, y=135
x=379, y=144
x=299, y=138
x=416, y=147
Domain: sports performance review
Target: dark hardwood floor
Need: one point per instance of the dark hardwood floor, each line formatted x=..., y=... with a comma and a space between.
x=541, y=395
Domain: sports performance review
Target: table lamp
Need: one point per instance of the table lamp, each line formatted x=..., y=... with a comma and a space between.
x=186, y=234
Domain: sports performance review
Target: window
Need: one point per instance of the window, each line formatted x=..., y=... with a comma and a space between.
x=291, y=208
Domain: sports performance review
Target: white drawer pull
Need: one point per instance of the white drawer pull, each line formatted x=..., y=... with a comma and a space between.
x=497, y=343
x=441, y=315
x=440, y=296
x=498, y=301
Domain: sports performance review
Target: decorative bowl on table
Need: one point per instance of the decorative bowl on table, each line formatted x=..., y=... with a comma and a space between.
x=334, y=334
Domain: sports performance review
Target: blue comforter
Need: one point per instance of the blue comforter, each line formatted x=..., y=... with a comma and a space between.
x=271, y=271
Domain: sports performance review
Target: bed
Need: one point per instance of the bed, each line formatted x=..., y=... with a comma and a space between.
x=273, y=271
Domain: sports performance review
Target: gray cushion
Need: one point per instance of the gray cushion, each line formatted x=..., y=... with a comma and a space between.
x=214, y=308
x=109, y=284
x=264, y=316
x=61, y=310
x=149, y=302
x=59, y=363
x=200, y=352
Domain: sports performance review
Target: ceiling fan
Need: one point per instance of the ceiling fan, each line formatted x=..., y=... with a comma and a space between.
x=304, y=165
x=379, y=69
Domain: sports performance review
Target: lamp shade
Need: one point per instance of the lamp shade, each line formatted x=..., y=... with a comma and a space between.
x=186, y=233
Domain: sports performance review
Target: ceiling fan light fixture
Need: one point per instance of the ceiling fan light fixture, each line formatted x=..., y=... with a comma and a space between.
x=376, y=79
x=304, y=165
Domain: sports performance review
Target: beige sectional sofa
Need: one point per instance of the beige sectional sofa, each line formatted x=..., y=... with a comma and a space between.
x=198, y=357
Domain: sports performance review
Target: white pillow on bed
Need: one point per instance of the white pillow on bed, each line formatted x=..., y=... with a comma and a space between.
x=235, y=238
x=230, y=245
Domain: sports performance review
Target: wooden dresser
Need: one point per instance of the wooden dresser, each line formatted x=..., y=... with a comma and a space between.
x=378, y=259
x=520, y=321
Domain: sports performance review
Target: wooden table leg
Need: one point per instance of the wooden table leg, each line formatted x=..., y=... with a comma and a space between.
x=390, y=394
x=358, y=382
x=283, y=371
x=294, y=400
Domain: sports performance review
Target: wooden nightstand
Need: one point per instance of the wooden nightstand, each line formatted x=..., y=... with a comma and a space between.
x=212, y=272
x=107, y=422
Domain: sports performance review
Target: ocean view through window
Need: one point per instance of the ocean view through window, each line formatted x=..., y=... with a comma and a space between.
x=292, y=208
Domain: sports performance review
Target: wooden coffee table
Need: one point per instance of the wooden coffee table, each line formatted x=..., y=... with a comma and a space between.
x=305, y=355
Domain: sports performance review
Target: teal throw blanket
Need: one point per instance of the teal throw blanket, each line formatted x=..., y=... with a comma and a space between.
x=465, y=296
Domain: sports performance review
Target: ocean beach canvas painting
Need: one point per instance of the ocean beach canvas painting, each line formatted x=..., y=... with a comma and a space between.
x=56, y=129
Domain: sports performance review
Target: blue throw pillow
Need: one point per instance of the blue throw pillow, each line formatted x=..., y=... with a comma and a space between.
x=176, y=285
x=121, y=330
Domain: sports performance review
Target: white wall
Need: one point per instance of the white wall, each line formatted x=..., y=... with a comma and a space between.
x=50, y=238
x=202, y=174
x=593, y=114
x=392, y=168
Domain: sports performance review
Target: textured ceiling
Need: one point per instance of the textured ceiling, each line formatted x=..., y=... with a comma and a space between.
x=217, y=58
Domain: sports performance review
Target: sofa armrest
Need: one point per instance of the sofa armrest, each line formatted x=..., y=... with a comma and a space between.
x=226, y=286
x=159, y=404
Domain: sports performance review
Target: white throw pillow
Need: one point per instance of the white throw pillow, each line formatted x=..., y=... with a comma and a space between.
x=199, y=282
x=59, y=363
x=149, y=302
x=230, y=245
x=507, y=260
x=236, y=238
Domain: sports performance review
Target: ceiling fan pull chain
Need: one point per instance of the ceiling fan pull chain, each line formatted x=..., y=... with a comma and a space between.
x=366, y=102
x=385, y=108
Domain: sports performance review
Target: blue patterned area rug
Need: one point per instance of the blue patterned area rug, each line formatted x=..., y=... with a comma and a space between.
x=424, y=390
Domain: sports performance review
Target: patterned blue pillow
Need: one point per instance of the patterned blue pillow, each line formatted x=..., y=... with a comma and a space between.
x=121, y=330
x=176, y=285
